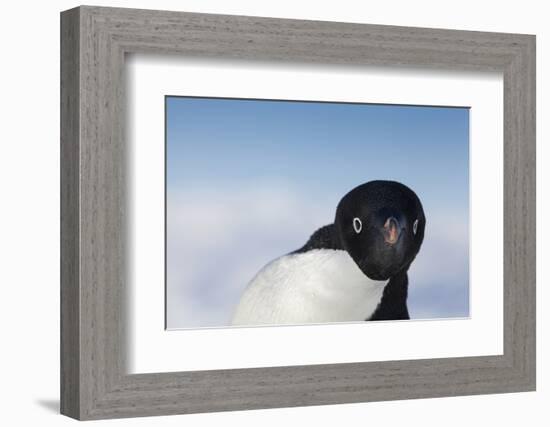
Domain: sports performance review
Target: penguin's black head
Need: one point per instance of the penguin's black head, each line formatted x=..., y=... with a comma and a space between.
x=381, y=225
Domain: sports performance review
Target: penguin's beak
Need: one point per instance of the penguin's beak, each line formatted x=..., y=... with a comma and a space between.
x=392, y=230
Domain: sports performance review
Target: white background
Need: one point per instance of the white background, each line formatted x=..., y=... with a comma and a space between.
x=29, y=214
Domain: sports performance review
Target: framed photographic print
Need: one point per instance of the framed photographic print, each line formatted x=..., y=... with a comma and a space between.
x=262, y=213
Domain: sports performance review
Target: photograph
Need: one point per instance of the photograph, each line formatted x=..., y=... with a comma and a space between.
x=294, y=212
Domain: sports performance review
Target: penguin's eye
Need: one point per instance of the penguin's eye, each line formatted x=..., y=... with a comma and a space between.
x=357, y=225
x=415, y=227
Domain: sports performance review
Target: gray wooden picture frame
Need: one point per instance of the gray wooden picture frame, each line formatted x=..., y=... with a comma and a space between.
x=94, y=382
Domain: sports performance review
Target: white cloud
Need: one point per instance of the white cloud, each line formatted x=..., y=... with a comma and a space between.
x=439, y=277
x=218, y=240
x=444, y=252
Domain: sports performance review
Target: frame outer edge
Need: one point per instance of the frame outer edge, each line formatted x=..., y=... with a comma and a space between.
x=70, y=396
x=532, y=138
x=527, y=172
x=520, y=216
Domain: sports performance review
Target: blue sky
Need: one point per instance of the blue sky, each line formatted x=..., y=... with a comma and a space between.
x=250, y=180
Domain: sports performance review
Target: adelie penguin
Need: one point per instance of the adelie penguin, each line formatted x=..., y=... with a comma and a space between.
x=352, y=270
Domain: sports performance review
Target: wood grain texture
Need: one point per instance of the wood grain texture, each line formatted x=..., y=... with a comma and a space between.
x=94, y=382
x=70, y=221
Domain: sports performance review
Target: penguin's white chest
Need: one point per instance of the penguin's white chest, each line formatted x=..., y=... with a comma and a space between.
x=317, y=286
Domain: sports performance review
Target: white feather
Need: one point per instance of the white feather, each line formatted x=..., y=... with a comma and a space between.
x=317, y=286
